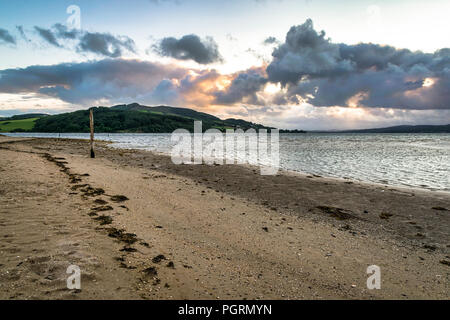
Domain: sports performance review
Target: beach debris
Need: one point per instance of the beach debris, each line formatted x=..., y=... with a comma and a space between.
x=445, y=262
x=385, y=215
x=429, y=247
x=420, y=235
x=128, y=249
x=345, y=227
x=120, y=235
x=158, y=258
x=102, y=208
x=171, y=265
x=125, y=266
x=145, y=244
x=119, y=198
x=104, y=220
x=440, y=208
x=150, y=271
x=78, y=186
x=100, y=201
x=74, y=179
x=92, y=192
x=338, y=213
x=265, y=229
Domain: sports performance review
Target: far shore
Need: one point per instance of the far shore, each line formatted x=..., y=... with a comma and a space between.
x=208, y=232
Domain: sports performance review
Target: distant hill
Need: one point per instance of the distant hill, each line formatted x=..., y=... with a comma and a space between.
x=137, y=119
x=183, y=112
x=406, y=129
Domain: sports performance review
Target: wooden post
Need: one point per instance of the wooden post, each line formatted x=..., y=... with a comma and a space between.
x=91, y=123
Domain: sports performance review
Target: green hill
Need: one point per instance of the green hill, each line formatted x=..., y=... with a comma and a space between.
x=166, y=110
x=21, y=125
x=136, y=118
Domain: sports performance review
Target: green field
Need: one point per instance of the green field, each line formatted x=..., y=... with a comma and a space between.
x=11, y=125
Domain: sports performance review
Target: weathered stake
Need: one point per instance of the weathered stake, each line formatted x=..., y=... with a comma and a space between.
x=91, y=123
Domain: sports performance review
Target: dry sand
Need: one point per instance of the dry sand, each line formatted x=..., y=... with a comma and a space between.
x=207, y=232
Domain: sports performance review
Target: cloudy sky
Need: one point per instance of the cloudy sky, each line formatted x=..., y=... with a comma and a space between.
x=306, y=64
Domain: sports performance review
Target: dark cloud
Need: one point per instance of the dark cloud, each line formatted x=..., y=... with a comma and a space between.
x=105, y=44
x=89, y=82
x=48, y=36
x=190, y=47
x=63, y=32
x=306, y=53
x=314, y=69
x=243, y=88
x=6, y=37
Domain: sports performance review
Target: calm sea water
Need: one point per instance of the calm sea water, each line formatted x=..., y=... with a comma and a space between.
x=414, y=160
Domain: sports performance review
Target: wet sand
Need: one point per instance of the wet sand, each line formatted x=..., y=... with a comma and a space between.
x=139, y=226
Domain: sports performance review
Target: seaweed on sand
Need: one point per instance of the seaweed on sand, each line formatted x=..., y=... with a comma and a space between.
x=338, y=213
x=102, y=208
x=158, y=258
x=104, y=219
x=119, y=198
x=121, y=235
x=92, y=192
x=100, y=201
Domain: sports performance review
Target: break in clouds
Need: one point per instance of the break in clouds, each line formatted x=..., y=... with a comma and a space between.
x=306, y=68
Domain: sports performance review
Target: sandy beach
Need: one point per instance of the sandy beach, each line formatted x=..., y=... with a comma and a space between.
x=140, y=227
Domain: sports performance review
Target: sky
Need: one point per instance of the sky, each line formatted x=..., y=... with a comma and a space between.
x=292, y=64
